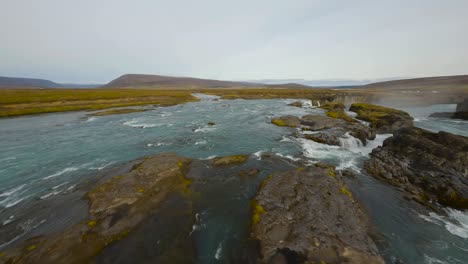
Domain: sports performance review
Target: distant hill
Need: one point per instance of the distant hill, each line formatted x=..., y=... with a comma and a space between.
x=13, y=82
x=159, y=81
x=436, y=83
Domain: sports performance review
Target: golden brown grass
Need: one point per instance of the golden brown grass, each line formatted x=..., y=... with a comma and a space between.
x=15, y=102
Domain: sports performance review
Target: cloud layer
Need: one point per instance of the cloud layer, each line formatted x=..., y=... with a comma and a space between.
x=95, y=41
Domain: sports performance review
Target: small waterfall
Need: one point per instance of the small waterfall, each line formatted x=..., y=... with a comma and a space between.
x=351, y=143
x=308, y=104
x=318, y=103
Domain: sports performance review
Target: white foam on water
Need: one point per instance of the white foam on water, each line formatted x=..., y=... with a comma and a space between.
x=13, y=196
x=12, y=203
x=58, y=186
x=71, y=187
x=12, y=191
x=349, y=142
x=9, y=220
x=204, y=129
x=66, y=170
x=53, y=193
x=8, y=158
x=205, y=97
x=219, y=251
x=26, y=227
x=286, y=139
x=91, y=119
x=432, y=260
x=456, y=222
x=201, y=142
x=164, y=114
x=139, y=124
x=158, y=144
x=210, y=157
x=105, y=165
x=347, y=155
x=258, y=154
x=287, y=156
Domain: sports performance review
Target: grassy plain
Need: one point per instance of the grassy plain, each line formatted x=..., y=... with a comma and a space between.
x=16, y=102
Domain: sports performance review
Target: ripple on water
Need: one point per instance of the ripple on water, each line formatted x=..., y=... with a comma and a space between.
x=456, y=222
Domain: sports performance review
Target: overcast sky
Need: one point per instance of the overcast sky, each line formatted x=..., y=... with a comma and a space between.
x=98, y=40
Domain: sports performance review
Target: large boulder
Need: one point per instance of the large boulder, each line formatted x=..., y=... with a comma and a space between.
x=116, y=208
x=289, y=121
x=324, y=138
x=309, y=216
x=428, y=166
x=318, y=122
x=382, y=119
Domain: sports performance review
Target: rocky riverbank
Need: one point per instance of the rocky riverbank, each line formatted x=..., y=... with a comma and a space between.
x=308, y=215
x=429, y=167
x=163, y=195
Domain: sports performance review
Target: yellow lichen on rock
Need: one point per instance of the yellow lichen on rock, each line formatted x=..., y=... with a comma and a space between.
x=258, y=210
x=278, y=122
x=235, y=159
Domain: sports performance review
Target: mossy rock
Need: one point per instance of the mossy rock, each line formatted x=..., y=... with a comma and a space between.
x=340, y=115
x=334, y=106
x=383, y=119
x=289, y=121
x=229, y=160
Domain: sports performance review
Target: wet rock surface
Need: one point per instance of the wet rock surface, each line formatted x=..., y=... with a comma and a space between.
x=228, y=160
x=289, y=121
x=428, y=166
x=331, y=130
x=318, y=122
x=308, y=216
x=382, y=119
x=116, y=207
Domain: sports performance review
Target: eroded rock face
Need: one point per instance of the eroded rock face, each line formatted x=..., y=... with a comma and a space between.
x=116, y=208
x=308, y=216
x=382, y=119
x=462, y=110
x=289, y=121
x=428, y=166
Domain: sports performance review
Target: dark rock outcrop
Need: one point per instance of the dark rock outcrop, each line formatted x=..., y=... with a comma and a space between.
x=429, y=166
x=289, y=121
x=462, y=110
x=308, y=216
x=442, y=115
x=332, y=129
x=324, y=138
x=116, y=207
x=382, y=119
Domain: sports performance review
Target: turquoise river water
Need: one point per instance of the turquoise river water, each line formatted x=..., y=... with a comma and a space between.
x=46, y=160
